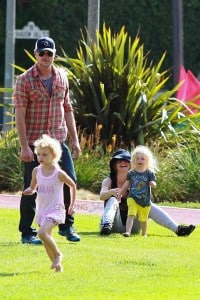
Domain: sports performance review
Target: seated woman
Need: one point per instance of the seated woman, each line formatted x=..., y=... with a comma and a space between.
x=115, y=214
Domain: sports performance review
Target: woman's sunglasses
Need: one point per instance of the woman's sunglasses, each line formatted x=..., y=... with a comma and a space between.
x=119, y=161
x=42, y=53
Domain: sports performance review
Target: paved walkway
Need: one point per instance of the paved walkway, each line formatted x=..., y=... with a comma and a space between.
x=180, y=215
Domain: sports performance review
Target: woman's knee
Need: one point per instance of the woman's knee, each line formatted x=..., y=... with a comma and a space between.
x=112, y=203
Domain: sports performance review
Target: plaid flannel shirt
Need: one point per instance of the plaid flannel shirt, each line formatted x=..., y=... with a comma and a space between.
x=44, y=114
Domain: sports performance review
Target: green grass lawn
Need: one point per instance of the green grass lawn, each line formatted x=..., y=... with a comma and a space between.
x=161, y=266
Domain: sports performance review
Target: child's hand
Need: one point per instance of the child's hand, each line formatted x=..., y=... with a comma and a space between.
x=29, y=191
x=119, y=196
x=71, y=210
x=152, y=184
x=115, y=192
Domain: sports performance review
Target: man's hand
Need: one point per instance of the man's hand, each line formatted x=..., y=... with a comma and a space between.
x=71, y=210
x=76, y=150
x=26, y=154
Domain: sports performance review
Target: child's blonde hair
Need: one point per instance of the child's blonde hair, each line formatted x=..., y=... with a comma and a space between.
x=152, y=163
x=52, y=144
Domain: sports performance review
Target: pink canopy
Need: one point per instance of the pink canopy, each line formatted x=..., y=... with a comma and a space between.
x=189, y=89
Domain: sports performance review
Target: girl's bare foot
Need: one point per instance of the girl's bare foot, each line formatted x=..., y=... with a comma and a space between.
x=59, y=268
x=56, y=261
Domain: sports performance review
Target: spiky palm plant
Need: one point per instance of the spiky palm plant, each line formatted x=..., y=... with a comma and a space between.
x=113, y=84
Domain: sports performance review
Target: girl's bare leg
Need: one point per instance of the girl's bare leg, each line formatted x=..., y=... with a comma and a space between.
x=49, y=252
x=45, y=234
x=129, y=225
x=144, y=228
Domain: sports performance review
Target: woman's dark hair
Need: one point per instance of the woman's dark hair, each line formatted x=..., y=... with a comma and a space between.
x=113, y=174
x=119, y=154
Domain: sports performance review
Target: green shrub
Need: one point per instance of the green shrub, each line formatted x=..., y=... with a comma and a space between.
x=11, y=170
x=91, y=168
x=178, y=179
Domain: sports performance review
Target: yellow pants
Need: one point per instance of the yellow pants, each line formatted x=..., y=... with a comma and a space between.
x=135, y=209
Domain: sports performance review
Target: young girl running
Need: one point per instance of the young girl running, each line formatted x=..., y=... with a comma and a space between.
x=48, y=180
x=139, y=181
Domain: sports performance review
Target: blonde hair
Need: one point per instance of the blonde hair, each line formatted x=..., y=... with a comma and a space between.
x=52, y=144
x=152, y=163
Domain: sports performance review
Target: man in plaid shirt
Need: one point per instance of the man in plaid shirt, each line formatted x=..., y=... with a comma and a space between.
x=42, y=106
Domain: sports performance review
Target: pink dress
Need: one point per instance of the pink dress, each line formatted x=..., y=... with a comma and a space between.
x=49, y=201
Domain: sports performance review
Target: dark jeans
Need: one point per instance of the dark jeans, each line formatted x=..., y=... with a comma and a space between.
x=27, y=204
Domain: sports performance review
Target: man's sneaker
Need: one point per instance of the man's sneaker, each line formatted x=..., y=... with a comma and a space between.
x=184, y=230
x=70, y=234
x=106, y=229
x=31, y=239
x=62, y=232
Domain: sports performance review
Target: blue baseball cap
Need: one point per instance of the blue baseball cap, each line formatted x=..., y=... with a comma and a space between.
x=120, y=154
x=45, y=43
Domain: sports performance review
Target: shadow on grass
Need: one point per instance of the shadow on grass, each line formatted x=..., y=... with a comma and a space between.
x=86, y=233
x=13, y=274
x=89, y=233
x=12, y=244
x=117, y=234
x=97, y=234
x=162, y=235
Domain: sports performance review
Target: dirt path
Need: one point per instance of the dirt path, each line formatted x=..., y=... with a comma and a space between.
x=180, y=215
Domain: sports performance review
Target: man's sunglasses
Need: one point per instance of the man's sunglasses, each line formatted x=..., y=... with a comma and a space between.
x=42, y=53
